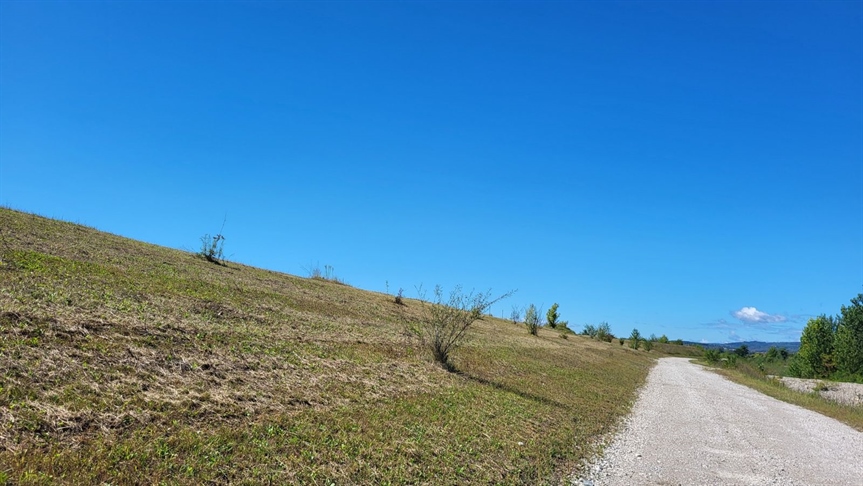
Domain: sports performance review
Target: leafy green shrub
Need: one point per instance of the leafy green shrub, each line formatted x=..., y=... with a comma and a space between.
x=730, y=360
x=622, y=341
x=648, y=345
x=589, y=330
x=712, y=355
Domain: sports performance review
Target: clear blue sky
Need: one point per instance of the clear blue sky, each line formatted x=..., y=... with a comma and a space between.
x=686, y=168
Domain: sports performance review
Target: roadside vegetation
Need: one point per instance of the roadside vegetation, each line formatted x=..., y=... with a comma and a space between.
x=126, y=363
x=762, y=371
x=832, y=347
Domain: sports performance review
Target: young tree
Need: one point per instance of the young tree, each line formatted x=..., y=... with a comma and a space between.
x=815, y=357
x=634, y=339
x=552, y=316
x=849, y=338
x=648, y=345
x=515, y=315
x=447, y=321
x=531, y=318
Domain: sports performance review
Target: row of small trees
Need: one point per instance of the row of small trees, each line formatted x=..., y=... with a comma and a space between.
x=532, y=318
x=449, y=318
x=832, y=347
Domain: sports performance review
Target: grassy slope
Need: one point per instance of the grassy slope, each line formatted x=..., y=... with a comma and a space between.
x=125, y=362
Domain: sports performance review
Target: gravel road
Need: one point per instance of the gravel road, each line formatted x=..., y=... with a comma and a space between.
x=691, y=426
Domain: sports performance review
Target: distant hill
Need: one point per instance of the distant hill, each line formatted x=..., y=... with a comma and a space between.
x=754, y=346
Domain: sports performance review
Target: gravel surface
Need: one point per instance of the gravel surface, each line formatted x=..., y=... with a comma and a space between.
x=691, y=426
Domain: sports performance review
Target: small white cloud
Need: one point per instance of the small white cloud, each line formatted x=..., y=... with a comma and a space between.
x=751, y=314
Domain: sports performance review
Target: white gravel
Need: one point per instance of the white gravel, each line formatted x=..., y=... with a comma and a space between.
x=847, y=393
x=693, y=427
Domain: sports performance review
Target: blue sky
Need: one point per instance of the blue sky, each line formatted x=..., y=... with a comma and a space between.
x=692, y=169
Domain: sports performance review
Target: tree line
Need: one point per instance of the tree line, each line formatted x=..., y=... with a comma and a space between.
x=832, y=346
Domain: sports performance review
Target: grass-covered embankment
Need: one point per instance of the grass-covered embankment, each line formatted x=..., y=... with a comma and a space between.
x=126, y=363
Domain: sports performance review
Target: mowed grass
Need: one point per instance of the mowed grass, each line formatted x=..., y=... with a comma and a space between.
x=127, y=363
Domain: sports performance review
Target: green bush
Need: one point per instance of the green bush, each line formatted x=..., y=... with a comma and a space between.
x=603, y=332
x=730, y=360
x=712, y=355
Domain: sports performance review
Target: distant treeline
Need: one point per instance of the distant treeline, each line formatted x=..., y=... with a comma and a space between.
x=752, y=346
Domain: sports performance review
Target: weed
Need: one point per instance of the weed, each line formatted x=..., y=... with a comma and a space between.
x=212, y=248
x=328, y=273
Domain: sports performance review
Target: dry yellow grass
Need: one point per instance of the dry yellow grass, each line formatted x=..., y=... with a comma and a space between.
x=127, y=363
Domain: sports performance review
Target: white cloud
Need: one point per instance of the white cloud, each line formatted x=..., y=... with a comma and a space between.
x=753, y=315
